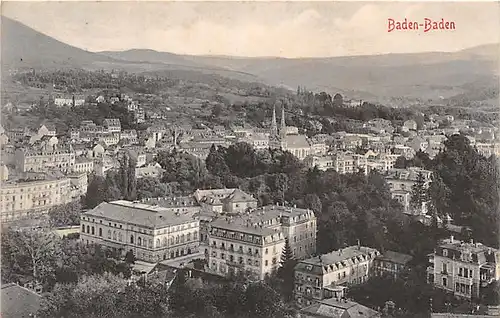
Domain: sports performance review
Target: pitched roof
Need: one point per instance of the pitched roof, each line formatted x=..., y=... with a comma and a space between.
x=333, y=308
x=140, y=214
x=19, y=302
x=239, y=196
x=296, y=141
x=336, y=259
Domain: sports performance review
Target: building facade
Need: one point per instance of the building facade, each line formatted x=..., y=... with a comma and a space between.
x=33, y=196
x=326, y=276
x=152, y=233
x=39, y=160
x=236, y=247
x=391, y=264
x=462, y=268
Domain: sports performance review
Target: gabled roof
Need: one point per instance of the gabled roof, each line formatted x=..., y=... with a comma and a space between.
x=239, y=196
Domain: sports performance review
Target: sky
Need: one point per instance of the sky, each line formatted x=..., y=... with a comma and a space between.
x=285, y=29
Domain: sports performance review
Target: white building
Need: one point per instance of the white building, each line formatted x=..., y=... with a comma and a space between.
x=152, y=233
x=33, y=195
x=463, y=268
x=238, y=247
x=327, y=275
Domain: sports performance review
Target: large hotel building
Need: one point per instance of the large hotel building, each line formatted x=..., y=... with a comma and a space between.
x=152, y=233
x=254, y=242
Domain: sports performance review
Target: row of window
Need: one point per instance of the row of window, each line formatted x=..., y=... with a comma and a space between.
x=117, y=236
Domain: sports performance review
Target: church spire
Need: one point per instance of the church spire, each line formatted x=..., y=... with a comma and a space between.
x=283, y=124
x=274, y=125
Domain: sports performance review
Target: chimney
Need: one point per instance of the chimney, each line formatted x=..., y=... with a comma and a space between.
x=359, y=245
x=472, y=241
x=451, y=240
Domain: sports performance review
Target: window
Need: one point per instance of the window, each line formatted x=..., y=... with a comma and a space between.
x=266, y=263
x=445, y=252
x=114, y=235
x=445, y=281
x=88, y=229
x=188, y=237
x=139, y=241
x=131, y=239
x=100, y=231
x=274, y=260
x=460, y=271
x=267, y=251
x=109, y=234
x=83, y=228
x=445, y=269
x=93, y=231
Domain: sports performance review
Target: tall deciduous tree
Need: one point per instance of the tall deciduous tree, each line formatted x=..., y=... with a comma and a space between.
x=30, y=253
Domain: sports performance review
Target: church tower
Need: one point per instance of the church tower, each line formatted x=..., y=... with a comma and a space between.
x=283, y=124
x=274, y=125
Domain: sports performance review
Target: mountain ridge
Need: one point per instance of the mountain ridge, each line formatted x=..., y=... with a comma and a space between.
x=429, y=75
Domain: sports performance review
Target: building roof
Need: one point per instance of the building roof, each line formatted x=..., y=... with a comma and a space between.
x=395, y=257
x=214, y=193
x=336, y=260
x=172, y=202
x=18, y=302
x=239, y=196
x=296, y=141
x=239, y=224
x=140, y=214
x=410, y=174
x=333, y=308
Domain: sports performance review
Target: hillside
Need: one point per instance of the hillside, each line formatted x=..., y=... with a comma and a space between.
x=394, y=79
x=23, y=47
x=26, y=48
x=390, y=78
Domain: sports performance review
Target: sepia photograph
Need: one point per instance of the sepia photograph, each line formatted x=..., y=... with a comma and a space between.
x=250, y=159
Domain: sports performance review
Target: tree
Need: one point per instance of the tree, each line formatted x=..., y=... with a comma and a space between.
x=67, y=214
x=93, y=296
x=30, y=254
x=401, y=163
x=97, y=192
x=338, y=100
x=418, y=193
x=130, y=257
x=286, y=272
x=216, y=162
x=132, y=181
x=217, y=110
